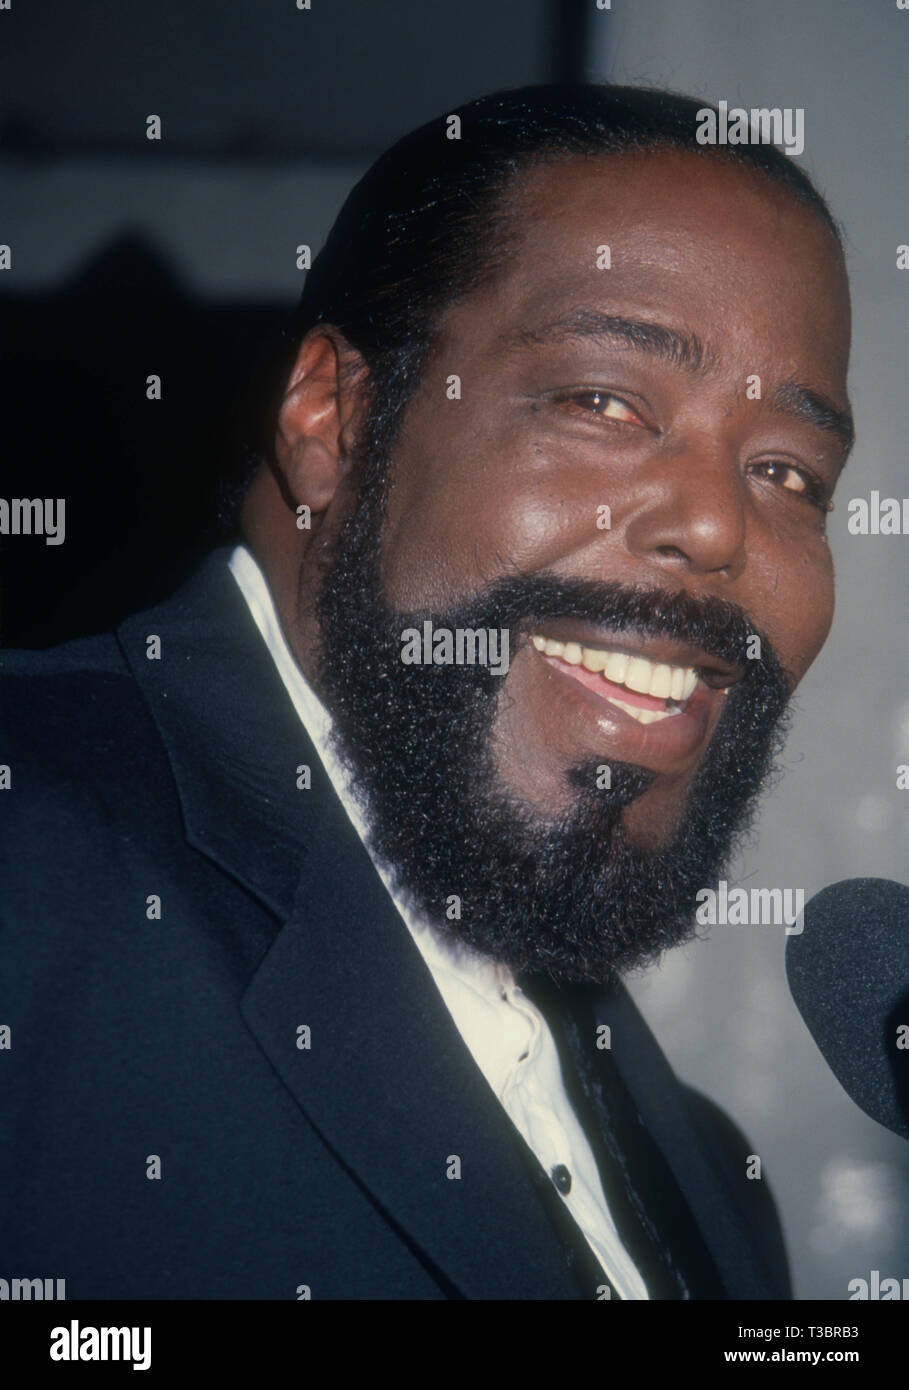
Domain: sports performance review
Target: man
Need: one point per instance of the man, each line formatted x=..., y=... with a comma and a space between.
x=319, y=878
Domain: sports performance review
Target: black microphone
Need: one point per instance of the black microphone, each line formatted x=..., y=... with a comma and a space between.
x=848, y=972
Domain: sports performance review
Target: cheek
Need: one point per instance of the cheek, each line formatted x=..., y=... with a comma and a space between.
x=796, y=609
x=460, y=518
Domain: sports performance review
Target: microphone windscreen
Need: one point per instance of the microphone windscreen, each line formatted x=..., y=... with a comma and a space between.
x=848, y=971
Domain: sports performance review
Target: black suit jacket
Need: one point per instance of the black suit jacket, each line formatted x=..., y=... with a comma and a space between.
x=144, y=1045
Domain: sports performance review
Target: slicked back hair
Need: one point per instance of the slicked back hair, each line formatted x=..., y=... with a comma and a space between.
x=428, y=222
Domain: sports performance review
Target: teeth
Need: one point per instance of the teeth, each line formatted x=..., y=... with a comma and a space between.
x=640, y=674
x=653, y=716
x=643, y=716
x=691, y=680
x=675, y=684
x=661, y=682
x=616, y=667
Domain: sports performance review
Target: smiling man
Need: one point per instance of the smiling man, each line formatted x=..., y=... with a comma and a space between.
x=571, y=379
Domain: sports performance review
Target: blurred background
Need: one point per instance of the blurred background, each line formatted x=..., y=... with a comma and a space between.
x=177, y=257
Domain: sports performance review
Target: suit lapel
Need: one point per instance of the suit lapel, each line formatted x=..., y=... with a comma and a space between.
x=386, y=1080
x=680, y=1216
x=231, y=733
x=390, y=1085
x=655, y=1098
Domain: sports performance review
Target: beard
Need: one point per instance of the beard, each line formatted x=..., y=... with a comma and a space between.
x=567, y=896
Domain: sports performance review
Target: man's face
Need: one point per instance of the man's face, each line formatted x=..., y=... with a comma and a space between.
x=510, y=478
x=693, y=388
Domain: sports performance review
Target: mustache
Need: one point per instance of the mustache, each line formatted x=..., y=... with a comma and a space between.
x=717, y=626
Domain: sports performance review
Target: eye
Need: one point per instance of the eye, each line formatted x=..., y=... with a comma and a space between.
x=795, y=479
x=604, y=404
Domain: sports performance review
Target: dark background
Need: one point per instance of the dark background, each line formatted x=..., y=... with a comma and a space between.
x=242, y=89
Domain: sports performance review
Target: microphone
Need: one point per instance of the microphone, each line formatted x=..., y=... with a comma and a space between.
x=848, y=971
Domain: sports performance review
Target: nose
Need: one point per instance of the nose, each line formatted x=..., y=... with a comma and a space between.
x=692, y=512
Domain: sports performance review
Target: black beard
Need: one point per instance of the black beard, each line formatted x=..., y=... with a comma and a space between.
x=569, y=897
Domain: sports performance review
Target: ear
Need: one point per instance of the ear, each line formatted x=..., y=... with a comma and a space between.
x=317, y=418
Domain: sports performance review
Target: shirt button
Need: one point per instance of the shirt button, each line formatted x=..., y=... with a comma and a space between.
x=562, y=1178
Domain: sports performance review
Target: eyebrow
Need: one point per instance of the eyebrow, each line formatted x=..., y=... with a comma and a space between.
x=671, y=345
x=687, y=351
x=792, y=398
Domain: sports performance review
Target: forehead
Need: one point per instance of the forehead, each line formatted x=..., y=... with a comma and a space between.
x=721, y=250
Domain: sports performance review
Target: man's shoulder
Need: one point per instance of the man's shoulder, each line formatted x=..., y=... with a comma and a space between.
x=50, y=699
x=75, y=678
x=51, y=692
x=78, y=743
x=79, y=711
x=176, y=725
x=99, y=654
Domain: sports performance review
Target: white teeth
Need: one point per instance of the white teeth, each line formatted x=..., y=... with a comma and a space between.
x=643, y=716
x=616, y=667
x=594, y=660
x=653, y=716
x=629, y=709
x=640, y=673
x=671, y=683
x=661, y=682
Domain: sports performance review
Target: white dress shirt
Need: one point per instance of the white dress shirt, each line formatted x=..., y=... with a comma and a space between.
x=507, y=1035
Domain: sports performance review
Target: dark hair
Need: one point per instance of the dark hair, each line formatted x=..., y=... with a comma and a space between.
x=419, y=229
x=428, y=222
